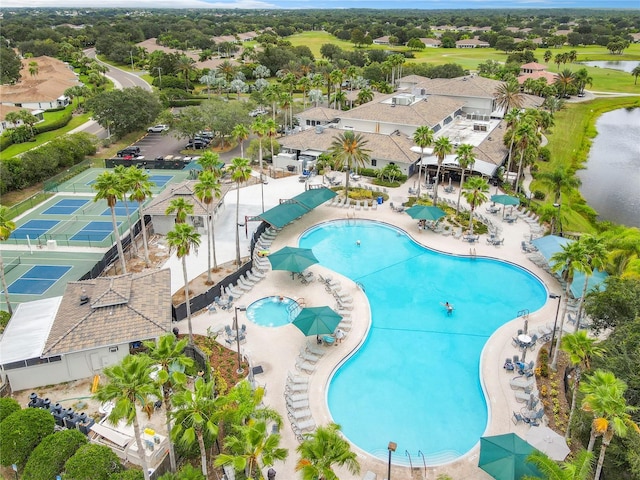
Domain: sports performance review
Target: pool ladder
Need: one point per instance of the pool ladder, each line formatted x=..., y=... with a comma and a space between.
x=297, y=305
x=360, y=286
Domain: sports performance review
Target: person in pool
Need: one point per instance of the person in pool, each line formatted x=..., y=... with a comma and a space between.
x=449, y=307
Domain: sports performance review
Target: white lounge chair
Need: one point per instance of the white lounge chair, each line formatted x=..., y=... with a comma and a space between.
x=522, y=382
x=291, y=378
x=305, y=366
x=298, y=415
x=299, y=405
x=296, y=397
x=296, y=387
x=369, y=476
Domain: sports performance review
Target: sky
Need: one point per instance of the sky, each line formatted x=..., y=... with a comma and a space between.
x=328, y=4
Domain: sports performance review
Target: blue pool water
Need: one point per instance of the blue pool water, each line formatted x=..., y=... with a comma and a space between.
x=415, y=380
x=273, y=312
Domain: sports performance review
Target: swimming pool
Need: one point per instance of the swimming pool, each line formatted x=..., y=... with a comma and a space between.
x=415, y=380
x=273, y=311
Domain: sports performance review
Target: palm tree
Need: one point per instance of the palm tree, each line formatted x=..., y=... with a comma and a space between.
x=271, y=131
x=125, y=187
x=181, y=207
x=245, y=403
x=511, y=118
x=251, y=449
x=196, y=414
x=210, y=161
x=508, y=96
x=183, y=238
x=441, y=148
x=304, y=84
x=7, y=226
x=240, y=173
x=466, y=159
x=582, y=79
x=569, y=260
x=33, y=69
x=260, y=129
x=636, y=73
x=559, y=180
x=604, y=397
x=140, y=187
x=186, y=66
x=129, y=386
x=423, y=138
x=526, y=137
x=365, y=95
x=579, y=469
x=208, y=188
x=168, y=354
x=240, y=133
x=348, y=150
x=108, y=187
x=581, y=350
x=475, y=190
x=321, y=450
x=597, y=257
x=563, y=80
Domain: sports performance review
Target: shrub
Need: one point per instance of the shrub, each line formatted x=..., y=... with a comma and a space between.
x=538, y=195
x=48, y=458
x=54, y=125
x=544, y=154
x=92, y=462
x=130, y=474
x=8, y=405
x=21, y=432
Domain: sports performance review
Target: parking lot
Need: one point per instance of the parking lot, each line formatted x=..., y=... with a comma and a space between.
x=154, y=145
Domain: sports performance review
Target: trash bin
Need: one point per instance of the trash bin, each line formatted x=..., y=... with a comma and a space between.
x=271, y=474
x=379, y=200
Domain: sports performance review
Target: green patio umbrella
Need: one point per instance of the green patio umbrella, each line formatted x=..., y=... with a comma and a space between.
x=317, y=320
x=506, y=200
x=292, y=259
x=426, y=212
x=504, y=457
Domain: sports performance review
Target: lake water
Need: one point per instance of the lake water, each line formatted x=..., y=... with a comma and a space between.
x=611, y=179
x=624, y=65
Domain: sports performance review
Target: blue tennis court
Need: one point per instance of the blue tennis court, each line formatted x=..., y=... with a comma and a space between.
x=33, y=228
x=66, y=206
x=38, y=279
x=161, y=180
x=121, y=208
x=94, y=232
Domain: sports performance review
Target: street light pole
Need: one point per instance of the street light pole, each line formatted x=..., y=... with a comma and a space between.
x=159, y=76
x=131, y=55
x=392, y=448
x=555, y=323
x=242, y=309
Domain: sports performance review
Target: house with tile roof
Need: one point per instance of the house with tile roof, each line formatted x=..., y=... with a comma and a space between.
x=535, y=71
x=472, y=43
x=94, y=324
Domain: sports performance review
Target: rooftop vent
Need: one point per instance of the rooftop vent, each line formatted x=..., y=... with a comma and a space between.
x=84, y=299
x=319, y=129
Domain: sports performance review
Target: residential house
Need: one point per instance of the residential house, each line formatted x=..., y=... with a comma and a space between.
x=535, y=71
x=381, y=40
x=431, y=42
x=94, y=324
x=472, y=43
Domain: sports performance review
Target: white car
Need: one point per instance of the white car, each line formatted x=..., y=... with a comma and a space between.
x=257, y=111
x=158, y=129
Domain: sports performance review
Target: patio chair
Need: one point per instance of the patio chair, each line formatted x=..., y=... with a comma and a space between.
x=517, y=418
x=508, y=365
x=522, y=382
x=347, y=203
x=298, y=415
x=534, y=340
x=299, y=405
x=304, y=355
x=296, y=387
x=522, y=396
x=305, y=366
x=315, y=349
x=291, y=378
x=296, y=397
x=229, y=333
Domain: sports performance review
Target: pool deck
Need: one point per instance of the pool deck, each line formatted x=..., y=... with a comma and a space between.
x=275, y=349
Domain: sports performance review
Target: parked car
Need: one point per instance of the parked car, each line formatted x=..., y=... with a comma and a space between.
x=158, y=128
x=195, y=145
x=205, y=134
x=199, y=138
x=129, y=152
x=257, y=111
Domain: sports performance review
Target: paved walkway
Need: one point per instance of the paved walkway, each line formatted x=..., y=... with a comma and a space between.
x=276, y=349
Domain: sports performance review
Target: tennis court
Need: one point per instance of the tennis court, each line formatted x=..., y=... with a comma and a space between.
x=66, y=206
x=33, y=229
x=38, y=279
x=83, y=182
x=94, y=232
x=121, y=208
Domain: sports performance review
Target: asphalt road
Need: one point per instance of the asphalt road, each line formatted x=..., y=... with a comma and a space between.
x=120, y=78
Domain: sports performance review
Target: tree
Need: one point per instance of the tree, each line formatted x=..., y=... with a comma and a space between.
x=196, y=416
x=567, y=261
x=578, y=469
x=525, y=138
x=582, y=79
x=321, y=450
x=7, y=226
x=511, y=118
x=618, y=304
x=185, y=66
x=423, y=138
x=636, y=73
x=8, y=405
x=565, y=78
x=441, y=148
x=21, y=432
x=348, y=151
x=548, y=55
x=240, y=133
x=10, y=65
x=183, y=238
x=581, y=350
x=365, y=95
x=251, y=449
x=48, y=458
x=93, y=462
x=206, y=190
x=389, y=172
x=181, y=207
x=597, y=256
x=240, y=173
x=125, y=188
x=475, y=190
x=260, y=128
x=508, y=96
x=140, y=188
x=168, y=354
x=604, y=398
x=108, y=187
x=466, y=159
x=129, y=385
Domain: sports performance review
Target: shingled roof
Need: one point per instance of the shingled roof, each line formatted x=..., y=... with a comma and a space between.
x=111, y=310
x=474, y=86
x=185, y=189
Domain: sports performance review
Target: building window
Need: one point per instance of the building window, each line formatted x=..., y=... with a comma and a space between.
x=374, y=162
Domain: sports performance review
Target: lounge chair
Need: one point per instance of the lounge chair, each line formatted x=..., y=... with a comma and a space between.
x=305, y=366
x=291, y=378
x=522, y=382
x=299, y=405
x=296, y=387
x=369, y=476
x=296, y=397
x=340, y=305
x=347, y=203
x=306, y=356
x=315, y=349
x=522, y=397
x=300, y=428
x=298, y=414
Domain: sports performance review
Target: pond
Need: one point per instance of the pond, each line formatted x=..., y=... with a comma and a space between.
x=624, y=65
x=612, y=173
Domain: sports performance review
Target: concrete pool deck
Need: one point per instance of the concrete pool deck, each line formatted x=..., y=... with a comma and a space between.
x=276, y=349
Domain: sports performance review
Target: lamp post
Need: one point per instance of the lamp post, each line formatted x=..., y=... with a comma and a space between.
x=242, y=309
x=555, y=323
x=159, y=76
x=392, y=448
x=131, y=55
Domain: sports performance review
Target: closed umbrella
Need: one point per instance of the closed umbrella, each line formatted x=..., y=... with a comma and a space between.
x=504, y=457
x=548, y=442
x=292, y=259
x=317, y=320
x=426, y=212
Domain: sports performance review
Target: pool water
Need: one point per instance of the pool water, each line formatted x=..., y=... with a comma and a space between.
x=415, y=380
x=272, y=311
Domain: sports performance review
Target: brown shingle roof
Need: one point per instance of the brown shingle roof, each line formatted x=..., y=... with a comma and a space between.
x=322, y=114
x=111, y=320
x=474, y=86
x=185, y=189
x=492, y=149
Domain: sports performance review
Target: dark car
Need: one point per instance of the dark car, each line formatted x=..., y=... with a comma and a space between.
x=195, y=145
x=200, y=138
x=129, y=152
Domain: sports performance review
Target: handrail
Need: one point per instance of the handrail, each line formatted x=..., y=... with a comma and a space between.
x=406, y=452
x=424, y=462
